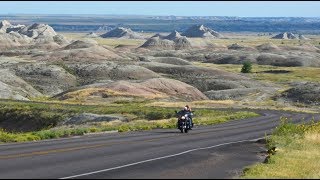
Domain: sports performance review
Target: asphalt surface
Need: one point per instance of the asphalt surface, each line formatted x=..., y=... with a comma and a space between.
x=218, y=151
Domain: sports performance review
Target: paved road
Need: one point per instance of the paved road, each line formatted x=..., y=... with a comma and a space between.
x=219, y=151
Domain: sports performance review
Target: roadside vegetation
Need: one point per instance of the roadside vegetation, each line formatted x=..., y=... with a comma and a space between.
x=30, y=121
x=293, y=153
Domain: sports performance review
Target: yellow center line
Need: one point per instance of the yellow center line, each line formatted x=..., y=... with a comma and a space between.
x=50, y=151
x=91, y=146
x=72, y=149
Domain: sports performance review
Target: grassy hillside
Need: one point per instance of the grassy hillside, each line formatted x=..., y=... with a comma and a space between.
x=113, y=42
x=247, y=40
x=275, y=74
x=296, y=154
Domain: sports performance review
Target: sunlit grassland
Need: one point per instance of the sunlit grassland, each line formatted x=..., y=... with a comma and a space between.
x=258, y=40
x=296, y=154
x=294, y=74
x=195, y=104
x=113, y=42
x=248, y=40
x=116, y=42
x=282, y=80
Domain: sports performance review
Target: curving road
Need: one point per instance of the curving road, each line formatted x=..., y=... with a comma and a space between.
x=219, y=151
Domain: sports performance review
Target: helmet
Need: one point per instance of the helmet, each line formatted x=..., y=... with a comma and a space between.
x=185, y=108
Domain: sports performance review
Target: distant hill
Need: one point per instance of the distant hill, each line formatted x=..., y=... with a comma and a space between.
x=172, y=41
x=173, y=35
x=201, y=31
x=105, y=28
x=305, y=25
x=302, y=37
x=289, y=35
x=17, y=35
x=285, y=35
x=91, y=35
x=124, y=33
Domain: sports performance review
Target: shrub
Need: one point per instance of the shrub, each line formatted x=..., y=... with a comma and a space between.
x=124, y=128
x=247, y=67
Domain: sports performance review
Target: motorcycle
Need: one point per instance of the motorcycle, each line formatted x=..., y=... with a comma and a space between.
x=184, y=122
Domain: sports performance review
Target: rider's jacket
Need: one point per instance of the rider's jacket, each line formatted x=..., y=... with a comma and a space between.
x=183, y=112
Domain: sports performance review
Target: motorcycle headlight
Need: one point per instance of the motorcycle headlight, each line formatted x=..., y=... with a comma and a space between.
x=182, y=117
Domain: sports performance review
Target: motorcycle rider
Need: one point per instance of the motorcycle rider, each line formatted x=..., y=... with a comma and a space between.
x=187, y=110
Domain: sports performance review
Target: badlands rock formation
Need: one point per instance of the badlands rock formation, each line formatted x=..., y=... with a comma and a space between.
x=201, y=31
x=124, y=33
x=172, y=41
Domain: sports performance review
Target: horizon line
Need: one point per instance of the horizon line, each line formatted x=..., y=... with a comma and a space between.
x=160, y=15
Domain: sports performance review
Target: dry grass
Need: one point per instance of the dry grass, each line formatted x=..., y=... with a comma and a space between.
x=195, y=104
x=246, y=40
x=303, y=162
x=297, y=156
x=313, y=137
x=112, y=42
x=250, y=40
x=83, y=94
x=274, y=105
x=116, y=42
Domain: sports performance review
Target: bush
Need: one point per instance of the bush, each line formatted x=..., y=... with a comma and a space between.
x=124, y=128
x=247, y=66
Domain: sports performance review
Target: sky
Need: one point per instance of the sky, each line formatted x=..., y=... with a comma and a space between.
x=176, y=8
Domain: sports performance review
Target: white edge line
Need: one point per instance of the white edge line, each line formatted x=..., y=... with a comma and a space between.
x=163, y=157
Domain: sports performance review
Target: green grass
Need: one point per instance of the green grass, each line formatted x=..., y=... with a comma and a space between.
x=44, y=119
x=296, y=155
x=210, y=117
x=6, y=137
x=46, y=115
x=255, y=41
x=258, y=72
